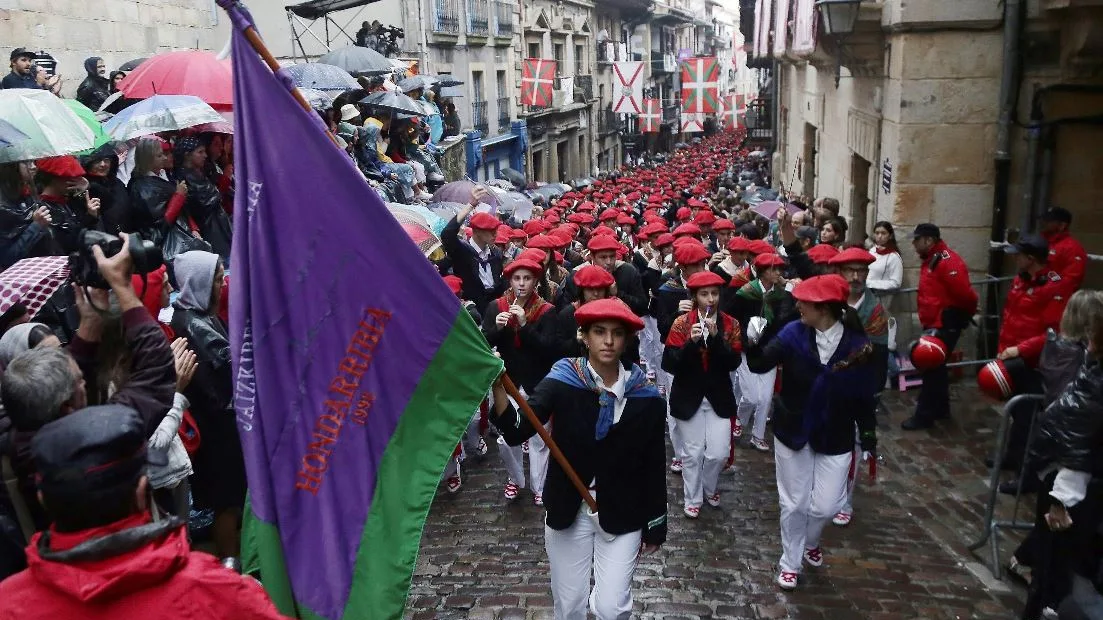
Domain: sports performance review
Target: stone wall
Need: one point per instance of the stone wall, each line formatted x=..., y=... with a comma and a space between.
x=117, y=30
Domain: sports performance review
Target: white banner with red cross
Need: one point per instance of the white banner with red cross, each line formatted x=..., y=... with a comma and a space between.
x=628, y=87
x=693, y=122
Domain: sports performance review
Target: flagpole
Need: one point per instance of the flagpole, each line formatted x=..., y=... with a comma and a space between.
x=556, y=453
x=233, y=8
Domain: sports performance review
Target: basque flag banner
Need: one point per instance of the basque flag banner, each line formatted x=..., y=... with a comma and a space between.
x=356, y=370
x=652, y=116
x=700, y=85
x=537, y=81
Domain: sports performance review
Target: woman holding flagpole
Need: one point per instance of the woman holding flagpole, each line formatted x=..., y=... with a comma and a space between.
x=609, y=425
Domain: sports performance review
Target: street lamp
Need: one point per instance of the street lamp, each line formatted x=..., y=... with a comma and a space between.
x=839, y=19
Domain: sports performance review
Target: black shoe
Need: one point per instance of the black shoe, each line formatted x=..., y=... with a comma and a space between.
x=1004, y=466
x=916, y=423
x=1030, y=485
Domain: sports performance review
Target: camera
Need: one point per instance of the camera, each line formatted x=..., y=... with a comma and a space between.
x=83, y=270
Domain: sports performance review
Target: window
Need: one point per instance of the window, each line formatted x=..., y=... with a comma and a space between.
x=500, y=80
x=477, y=85
x=580, y=60
x=534, y=50
x=557, y=53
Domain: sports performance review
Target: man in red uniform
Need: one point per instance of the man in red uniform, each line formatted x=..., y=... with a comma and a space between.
x=1066, y=256
x=947, y=303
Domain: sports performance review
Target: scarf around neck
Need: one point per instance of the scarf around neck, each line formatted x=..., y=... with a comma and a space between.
x=574, y=371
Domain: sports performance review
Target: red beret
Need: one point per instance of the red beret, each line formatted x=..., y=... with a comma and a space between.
x=484, y=221
x=541, y=242
x=758, y=246
x=739, y=244
x=690, y=229
x=603, y=243
x=586, y=206
x=580, y=218
x=723, y=224
x=822, y=253
x=501, y=237
x=823, y=289
x=558, y=257
x=633, y=196
x=702, y=279
x=705, y=218
x=611, y=309
x=517, y=233
x=690, y=254
x=592, y=276
x=768, y=260
x=561, y=237
x=523, y=263
x=683, y=214
x=454, y=284
x=552, y=219
x=61, y=166
x=851, y=255
x=697, y=204
x=609, y=214
x=536, y=255
x=534, y=227
x=664, y=240
x=654, y=199
x=624, y=218
x=654, y=228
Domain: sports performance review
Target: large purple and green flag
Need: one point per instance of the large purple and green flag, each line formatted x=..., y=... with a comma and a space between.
x=355, y=368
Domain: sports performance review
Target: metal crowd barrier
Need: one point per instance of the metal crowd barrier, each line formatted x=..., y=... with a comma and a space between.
x=990, y=533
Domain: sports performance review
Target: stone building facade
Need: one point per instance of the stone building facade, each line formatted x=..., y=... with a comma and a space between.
x=117, y=30
x=912, y=131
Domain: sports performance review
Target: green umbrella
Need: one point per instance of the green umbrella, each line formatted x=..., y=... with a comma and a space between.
x=89, y=117
x=51, y=127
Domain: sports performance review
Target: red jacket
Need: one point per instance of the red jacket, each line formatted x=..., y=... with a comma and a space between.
x=944, y=283
x=1034, y=304
x=160, y=580
x=1068, y=258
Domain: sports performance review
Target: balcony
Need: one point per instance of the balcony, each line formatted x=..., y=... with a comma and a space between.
x=503, y=19
x=478, y=18
x=446, y=19
x=760, y=122
x=583, y=87
x=663, y=63
x=503, y=113
x=607, y=122
x=478, y=116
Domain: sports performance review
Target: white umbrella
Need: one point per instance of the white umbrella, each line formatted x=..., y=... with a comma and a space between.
x=50, y=126
x=161, y=113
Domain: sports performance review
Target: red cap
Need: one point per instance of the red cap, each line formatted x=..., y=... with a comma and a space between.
x=454, y=284
x=603, y=230
x=501, y=237
x=823, y=289
x=542, y=242
x=723, y=224
x=624, y=218
x=851, y=255
x=561, y=237
x=690, y=254
x=822, y=253
x=690, y=229
x=586, y=206
x=739, y=244
x=517, y=233
x=683, y=214
x=603, y=243
x=768, y=260
x=705, y=218
x=580, y=218
x=61, y=166
x=484, y=221
x=536, y=255
x=608, y=214
x=758, y=246
x=611, y=309
x=558, y=257
x=534, y=227
x=592, y=276
x=527, y=264
x=664, y=240
x=701, y=279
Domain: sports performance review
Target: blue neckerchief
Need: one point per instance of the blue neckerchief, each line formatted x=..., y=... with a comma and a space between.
x=574, y=371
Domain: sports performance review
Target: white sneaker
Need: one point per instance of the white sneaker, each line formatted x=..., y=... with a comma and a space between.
x=814, y=556
x=842, y=519
x=676, y=465
x=787, y=580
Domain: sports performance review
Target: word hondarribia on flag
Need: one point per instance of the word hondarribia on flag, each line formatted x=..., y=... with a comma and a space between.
x=355, y=369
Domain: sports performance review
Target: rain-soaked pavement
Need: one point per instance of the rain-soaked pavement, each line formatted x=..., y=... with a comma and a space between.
x=904, y=556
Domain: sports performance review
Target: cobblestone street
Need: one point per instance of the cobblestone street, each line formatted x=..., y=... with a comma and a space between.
x=903, y=556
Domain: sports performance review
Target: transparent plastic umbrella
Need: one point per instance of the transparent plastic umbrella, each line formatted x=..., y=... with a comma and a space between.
x=50, y=126
x=89, y=118
x=321, y=77
x=161, y=113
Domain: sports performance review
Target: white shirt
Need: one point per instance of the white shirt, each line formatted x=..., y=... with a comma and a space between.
x=617, y=389
x=828, y=341
x=858, y=303
x=486, y=276
x=886, y=273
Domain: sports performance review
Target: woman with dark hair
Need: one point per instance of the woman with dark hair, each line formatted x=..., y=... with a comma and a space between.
x=833, y=232
x=609, y=426
x=156, y=204
x=886, y=273
x=452, y=122
x=828, y=386
x=204, y=201
x=115, y=78
x=102, y=166
x=24, y=224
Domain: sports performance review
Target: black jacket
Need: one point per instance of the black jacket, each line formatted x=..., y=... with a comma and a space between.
x=114, y=198
x=93, y=91
x=528, y=363
x=629, y=289
x=664, y=304
x=693, y=382
x=1070, y=431
x=627, y=467
x=465, y=264
x=149, y=199
x=211, y=389
x=204, y=204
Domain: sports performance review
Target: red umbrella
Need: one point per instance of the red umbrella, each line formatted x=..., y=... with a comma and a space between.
x=190, y=72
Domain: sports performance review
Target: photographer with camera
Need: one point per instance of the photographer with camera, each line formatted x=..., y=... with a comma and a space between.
x=43, y=384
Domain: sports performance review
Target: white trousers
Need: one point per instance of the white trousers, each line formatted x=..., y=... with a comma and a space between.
x=573, y=552
x=707, y=438
x=811, y=489
x=651, y=343
x=664, y=379
x=756, y=397
x=512, y=457
x=539, y=455
x=472, y=436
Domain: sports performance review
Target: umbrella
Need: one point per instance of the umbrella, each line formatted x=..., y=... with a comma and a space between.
x=89, y=118
x=769, y=208
x=548, y=191
x=394, y=101
x=582, y=182
x=435, y=222
x=446, y=210
x=516, y=203
x=316, y=98
x=322, y=77
x=32, y=281
x=502, y=183
x=222, y=126
x=460, y=192
x=10, y=134
x=161, y=113
x=131, y=65
x=442, y=80
x=513, y=176
x=358, y=60
x=414, y=83
x=416, y=228
x=51, y=127
x=192, y=72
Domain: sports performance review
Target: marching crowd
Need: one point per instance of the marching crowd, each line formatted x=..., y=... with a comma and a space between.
x=653, y=303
